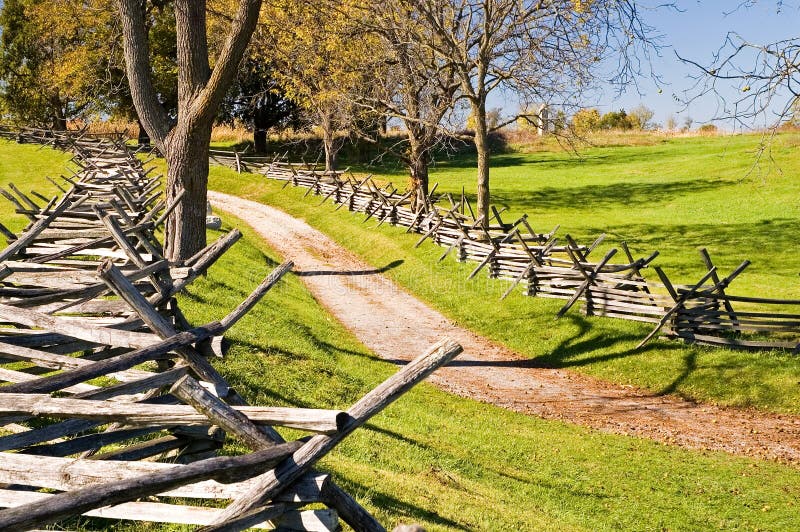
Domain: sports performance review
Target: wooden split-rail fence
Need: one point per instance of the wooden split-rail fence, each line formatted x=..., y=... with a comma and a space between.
x=548, y=266
x=110, y=407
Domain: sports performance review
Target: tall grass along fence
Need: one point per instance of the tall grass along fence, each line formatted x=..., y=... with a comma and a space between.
x=545, y=265
x=111, y=408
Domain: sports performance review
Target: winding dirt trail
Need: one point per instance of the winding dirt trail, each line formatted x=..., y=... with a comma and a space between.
x=401, y=326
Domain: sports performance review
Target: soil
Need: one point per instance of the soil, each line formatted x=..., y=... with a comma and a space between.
x=397, y=326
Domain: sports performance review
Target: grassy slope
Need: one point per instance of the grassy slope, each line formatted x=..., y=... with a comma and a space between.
x=26, y=165
x=455, y=464
x=461, y=465
x=673, y=197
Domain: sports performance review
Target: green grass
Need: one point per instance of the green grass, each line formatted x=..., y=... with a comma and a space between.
x=26, y=165
x=674, y=196
x=456, y=464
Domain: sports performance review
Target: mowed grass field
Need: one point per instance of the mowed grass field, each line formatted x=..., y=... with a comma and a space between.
x=443, y=461
x=674, y=196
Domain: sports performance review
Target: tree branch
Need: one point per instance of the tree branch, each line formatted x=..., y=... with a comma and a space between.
x=192, y=48
x=229, y=58
x=137, y=65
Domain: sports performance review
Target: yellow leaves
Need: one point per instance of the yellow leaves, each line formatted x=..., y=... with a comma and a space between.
x=315, y=47
x=73, y=38
x=581, y=6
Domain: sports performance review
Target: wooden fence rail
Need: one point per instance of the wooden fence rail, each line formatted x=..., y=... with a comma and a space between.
x=99, y=364
x=545, y=266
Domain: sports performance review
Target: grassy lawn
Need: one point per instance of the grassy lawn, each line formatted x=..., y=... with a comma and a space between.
x=455, y=464
x=26, y=165
x=674, y=196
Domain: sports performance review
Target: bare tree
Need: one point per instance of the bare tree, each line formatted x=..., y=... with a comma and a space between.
x=409, y=83
x=201, y=89
x=641, y=116
x=542, y=50
x=750, y=80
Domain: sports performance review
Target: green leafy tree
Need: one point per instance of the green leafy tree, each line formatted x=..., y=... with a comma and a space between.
x=615, y=120
x=56, y=59
x=258, y=100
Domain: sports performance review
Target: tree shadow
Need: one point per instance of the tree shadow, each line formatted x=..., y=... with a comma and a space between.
x=570, y=353
x=393, y=505
x=602, y=196
x=689, y=366
x=769, y=234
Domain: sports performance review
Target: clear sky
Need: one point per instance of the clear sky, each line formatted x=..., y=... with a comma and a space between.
x=695, y=31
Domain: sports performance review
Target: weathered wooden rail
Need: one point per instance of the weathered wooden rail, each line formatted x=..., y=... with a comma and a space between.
x=545, y=267
x=537, y=262
x=110, y=407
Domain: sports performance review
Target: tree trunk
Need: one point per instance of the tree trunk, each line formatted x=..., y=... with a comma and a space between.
x=187, y=169
x=418, y=168
x=59, y=120
x=200, y=91
x=329, y=142
x=260, y=128
x=482, y=149
x=260, y=140
x=142, y=139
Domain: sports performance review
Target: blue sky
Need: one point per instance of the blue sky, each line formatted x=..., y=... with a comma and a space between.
x=696, y=31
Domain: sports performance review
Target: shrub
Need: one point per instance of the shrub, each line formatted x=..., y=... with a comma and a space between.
x=708, y=129
x=616, y=120
x=586, y=120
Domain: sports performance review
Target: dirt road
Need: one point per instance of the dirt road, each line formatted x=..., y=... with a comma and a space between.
x=401, y=326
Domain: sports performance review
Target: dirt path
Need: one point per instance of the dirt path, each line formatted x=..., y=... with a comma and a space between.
x=401, y=327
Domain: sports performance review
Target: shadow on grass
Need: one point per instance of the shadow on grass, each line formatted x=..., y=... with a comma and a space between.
x=602, y=196
x=393, y=505
x=397, y=436
x=321, y=345
x=689, y=366
x=572, y=351
x=766, y=234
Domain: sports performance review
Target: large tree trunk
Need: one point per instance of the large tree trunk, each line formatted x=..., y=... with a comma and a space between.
x=418, y=163
x=187, y=169
x=260, y=139
x=482, y=149
x=200, y=91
